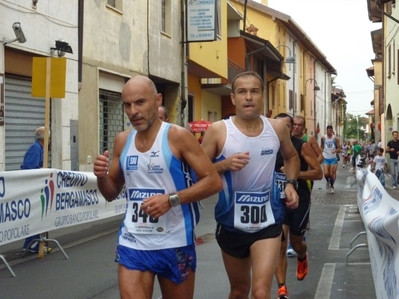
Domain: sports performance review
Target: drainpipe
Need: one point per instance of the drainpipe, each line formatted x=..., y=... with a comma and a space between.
x=183, y=92
x=80, y=41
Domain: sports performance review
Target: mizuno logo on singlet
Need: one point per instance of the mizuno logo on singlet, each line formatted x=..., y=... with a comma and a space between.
x=251, y=198
x=155, y=154
x=140, y=194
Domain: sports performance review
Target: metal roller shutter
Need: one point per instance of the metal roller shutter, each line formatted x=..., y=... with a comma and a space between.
x=23, y=114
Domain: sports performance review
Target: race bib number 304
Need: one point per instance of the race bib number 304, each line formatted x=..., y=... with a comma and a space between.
x=136, y=220
x=252, y=211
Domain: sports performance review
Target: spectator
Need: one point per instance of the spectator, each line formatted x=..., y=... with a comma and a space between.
x=393, y=151
x=33, y=159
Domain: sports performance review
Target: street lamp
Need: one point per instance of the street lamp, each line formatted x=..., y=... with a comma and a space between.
x=315, y=88
x=291, y=59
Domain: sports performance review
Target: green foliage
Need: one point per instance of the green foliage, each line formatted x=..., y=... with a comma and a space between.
x=353, y=129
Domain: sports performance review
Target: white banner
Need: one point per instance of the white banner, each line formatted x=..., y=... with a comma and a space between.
x=381, y=218
x=42, y=200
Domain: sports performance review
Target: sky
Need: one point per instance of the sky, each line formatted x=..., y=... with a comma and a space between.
x=341, y=31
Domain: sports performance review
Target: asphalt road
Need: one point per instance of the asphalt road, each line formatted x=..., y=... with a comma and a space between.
x=90, y=271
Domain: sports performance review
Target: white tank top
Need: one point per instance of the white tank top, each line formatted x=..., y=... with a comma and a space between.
x=246, y=201
x=329, y=146
x=156, y=171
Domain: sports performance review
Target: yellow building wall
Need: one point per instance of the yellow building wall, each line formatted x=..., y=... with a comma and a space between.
x=213, y=55
x=262, y=21
x=211, y=106
x=276, y=35
x=194, y=90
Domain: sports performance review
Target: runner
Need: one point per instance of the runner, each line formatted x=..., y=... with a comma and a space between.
x=345, y=155
x=331, y=146
x=295, y=221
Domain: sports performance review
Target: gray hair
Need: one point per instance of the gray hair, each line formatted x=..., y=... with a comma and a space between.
x=39, y=133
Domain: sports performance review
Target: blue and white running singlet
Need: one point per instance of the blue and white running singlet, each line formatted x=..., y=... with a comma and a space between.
x=250, y=200
x=156, y=171
x=329, y=146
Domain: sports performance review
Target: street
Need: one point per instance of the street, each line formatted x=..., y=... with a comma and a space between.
x=90, y=271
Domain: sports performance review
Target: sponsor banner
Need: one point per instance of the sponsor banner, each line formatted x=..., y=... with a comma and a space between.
x=43, y=200
x=381, y=218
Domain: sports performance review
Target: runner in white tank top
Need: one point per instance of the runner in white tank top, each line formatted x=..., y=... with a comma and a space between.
x=154, y=161
x=244, y=150
x=331, y=147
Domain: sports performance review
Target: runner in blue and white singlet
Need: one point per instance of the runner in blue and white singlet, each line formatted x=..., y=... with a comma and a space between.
x=249, y=212
x=144, y=173
x=153, y=164
x=248, y=201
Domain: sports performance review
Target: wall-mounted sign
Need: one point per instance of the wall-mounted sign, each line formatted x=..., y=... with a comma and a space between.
x=201, y=20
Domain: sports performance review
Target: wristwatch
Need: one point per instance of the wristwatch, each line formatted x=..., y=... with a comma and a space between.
x=293, y=182
x=174, y=200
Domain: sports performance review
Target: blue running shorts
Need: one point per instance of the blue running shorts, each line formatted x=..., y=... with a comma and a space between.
x=331, y=161
x=173, y=264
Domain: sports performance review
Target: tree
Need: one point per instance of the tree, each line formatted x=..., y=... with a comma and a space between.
x=355, y=126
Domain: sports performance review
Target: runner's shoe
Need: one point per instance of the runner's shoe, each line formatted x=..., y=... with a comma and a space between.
x=282, y=292
x=327, y=185
x=332, y=191
x=302, y=268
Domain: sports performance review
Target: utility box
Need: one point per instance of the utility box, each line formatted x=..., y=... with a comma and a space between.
x=74, y=145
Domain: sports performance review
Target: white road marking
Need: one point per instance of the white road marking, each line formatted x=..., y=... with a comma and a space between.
x=325, y=283
x=337, y=231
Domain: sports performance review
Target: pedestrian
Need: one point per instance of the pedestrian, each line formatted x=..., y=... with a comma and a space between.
x=33, y=159
x=331, y=147
x=379, y=162
x=295, y=220
x=356, y=152
x=163, y=113
x=156, y=237
x=249, y=212
x=393, y=151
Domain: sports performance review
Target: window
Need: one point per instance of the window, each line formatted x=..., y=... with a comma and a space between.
x=111, y=119
x=218, y=20
x=389, y=62
x=273, y=96
x=291, y=100
x=166, y=16
x=302, y=108
x=116, y=4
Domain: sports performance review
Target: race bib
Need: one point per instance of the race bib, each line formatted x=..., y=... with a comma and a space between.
x=252, y=211
x=138, y=221
x=281, y=182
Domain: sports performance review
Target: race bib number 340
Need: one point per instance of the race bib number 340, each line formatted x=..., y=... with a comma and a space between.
x=252, y=211
x=138, y=221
